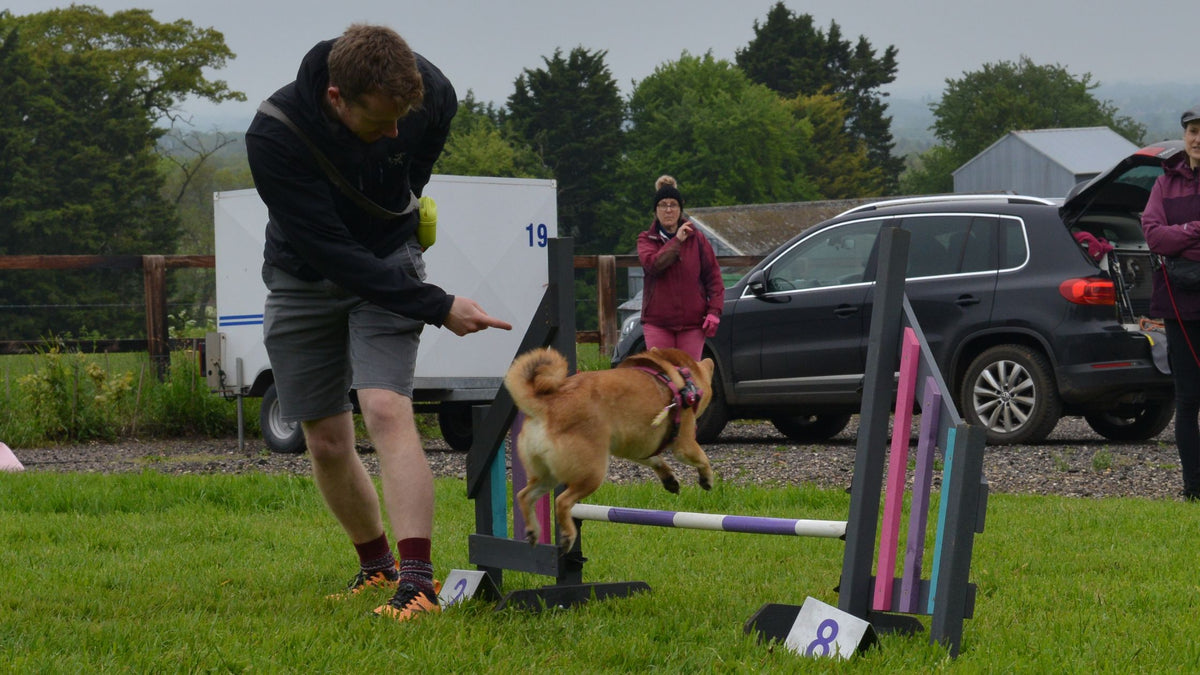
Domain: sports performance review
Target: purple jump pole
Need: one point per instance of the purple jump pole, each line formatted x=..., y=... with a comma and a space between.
x=831, y=529
x=918, y=514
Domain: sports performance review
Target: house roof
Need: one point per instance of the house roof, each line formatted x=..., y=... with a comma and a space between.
x=1083, y=150
x=757, y=229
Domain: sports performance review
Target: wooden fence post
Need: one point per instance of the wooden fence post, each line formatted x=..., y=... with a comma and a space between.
x=606, y=302
x=154, y=273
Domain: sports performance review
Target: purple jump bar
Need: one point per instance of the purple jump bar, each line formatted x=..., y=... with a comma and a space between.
x=711, y=521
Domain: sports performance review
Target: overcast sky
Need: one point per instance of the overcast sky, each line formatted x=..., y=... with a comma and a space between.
x=483, y=45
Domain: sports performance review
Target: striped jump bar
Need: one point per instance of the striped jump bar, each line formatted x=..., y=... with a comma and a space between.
x=831, y=529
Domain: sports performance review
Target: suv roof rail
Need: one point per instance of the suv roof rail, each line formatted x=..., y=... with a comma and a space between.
x=943, y=198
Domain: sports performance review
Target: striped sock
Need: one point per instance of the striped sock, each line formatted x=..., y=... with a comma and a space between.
x=415, y=565
x=375, y=555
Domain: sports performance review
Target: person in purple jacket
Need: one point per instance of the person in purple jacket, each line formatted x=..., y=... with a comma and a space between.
x=1171, y=223
x=340, y=157
x=683, y=294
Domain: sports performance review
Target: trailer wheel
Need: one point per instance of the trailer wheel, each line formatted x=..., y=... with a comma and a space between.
x=454, y=419
x=282, y=437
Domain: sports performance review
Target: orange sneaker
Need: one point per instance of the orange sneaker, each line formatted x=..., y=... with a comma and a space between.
x=409, y=602
x=387, y=579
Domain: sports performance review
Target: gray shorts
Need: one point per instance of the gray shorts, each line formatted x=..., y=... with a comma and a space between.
x=323, y=341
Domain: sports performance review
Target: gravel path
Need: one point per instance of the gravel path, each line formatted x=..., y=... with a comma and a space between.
x=1074, y=461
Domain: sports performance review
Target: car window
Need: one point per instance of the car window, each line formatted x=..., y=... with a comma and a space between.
x=979, y=246
x=1014, y=249
x=1142, y=177
x=832, y=257
x=950, y=244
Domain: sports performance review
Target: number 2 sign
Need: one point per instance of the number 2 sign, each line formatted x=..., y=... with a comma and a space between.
x=461, y=585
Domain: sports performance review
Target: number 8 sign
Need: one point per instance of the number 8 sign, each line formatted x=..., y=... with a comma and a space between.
x=824, y=630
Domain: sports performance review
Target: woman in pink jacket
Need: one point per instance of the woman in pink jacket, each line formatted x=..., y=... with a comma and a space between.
x=1171, y=223
x=683, y=293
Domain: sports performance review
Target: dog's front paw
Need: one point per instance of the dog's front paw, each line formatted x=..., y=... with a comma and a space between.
x=671, y=484
x=531, y=536
x=706, y=482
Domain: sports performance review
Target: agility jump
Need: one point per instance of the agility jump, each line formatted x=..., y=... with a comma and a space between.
x=888, y=602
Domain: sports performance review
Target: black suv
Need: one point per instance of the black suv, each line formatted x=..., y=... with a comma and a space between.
x=1025, y=325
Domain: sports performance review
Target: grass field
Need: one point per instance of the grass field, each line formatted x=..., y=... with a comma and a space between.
x=153, y=573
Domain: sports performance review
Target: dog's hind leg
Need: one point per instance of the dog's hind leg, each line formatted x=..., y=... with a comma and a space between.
x=574, y=492
x=534, y=488
x=539, y=478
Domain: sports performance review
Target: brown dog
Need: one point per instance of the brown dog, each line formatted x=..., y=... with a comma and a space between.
x=574, y=423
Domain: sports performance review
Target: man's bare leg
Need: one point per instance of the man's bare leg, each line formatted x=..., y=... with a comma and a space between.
x=405, y=473
x=408, y=494
x=341, y=477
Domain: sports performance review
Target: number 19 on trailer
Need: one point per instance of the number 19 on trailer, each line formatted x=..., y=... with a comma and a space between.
x=538, y=234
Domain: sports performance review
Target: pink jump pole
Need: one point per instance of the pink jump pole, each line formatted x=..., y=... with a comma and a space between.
x=910, y=351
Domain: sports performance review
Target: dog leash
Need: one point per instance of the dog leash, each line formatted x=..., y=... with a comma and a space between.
x=1182, y=327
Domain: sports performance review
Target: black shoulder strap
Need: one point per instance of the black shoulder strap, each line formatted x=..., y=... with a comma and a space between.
x=363, y=201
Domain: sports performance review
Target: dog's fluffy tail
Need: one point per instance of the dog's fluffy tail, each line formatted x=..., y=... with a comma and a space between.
x=533, y=375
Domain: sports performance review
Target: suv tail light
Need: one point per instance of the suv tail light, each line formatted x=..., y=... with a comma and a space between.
x=1089, y=291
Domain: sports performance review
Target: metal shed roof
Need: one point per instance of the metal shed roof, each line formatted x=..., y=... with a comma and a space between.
x=1084, y=150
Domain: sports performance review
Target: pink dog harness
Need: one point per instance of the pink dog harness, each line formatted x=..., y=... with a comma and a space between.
x=687, y=396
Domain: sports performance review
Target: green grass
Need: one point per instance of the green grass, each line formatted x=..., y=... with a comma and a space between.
x=154, y=573
x=588, y=357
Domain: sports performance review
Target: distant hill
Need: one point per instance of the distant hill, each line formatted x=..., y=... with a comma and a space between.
x=1155, y=105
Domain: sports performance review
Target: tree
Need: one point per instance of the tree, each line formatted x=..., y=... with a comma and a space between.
x=725, y=139
x=479, y=146
x=792, y=56
x=78, y=174
x=161, y=63
x=930, y=173
x=194, y=165
x=571, y=113
x=982, y=106
x=843, y=168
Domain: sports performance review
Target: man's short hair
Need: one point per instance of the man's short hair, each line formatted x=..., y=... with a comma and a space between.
x=374, y=59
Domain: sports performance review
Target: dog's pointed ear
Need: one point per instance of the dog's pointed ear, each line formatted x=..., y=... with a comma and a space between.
x=709, y=366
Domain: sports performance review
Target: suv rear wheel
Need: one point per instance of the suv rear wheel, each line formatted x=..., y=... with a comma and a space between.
x=1009, y=390
x=710, y=425
x=810, y=428
x=1133, y=425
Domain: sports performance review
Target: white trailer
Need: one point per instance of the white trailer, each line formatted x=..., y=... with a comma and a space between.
x=491, y=247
